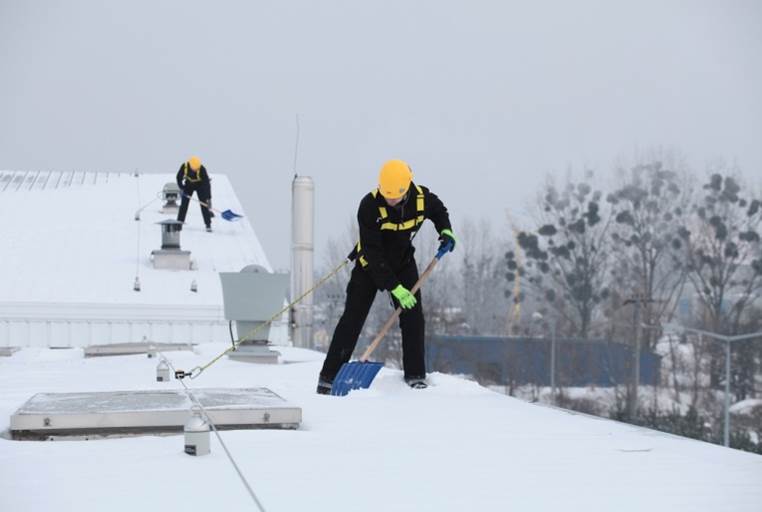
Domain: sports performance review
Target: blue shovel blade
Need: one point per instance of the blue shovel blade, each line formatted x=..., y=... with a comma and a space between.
x=354, y=375
x=230, y=215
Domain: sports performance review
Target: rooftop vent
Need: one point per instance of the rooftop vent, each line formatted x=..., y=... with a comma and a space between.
x=251, y=297
x=171, y=256
x=170, y=193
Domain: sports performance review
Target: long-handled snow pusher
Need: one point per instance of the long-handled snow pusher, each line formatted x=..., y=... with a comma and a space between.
x=229, y=215
x=360, y=374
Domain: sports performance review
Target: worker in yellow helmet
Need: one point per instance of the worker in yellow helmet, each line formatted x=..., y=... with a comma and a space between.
x=192, y=177
x=389, y=217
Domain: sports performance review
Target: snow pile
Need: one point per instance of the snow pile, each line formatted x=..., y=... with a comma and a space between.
x=454, y=446
x=746, y=406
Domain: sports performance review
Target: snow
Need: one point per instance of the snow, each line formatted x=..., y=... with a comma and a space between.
x=95, y=236
x=602, y=400
x=454, y=446
x=746, y=406
x=71, y=251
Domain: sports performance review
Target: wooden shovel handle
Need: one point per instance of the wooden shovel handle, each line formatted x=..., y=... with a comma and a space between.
x=199, y=201
x=377, y=340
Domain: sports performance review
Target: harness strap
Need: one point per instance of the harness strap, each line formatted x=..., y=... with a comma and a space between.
x=187, y=176
x=407, y=225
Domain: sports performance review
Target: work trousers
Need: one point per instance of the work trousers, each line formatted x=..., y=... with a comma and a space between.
x=204, y=194
x=361, y=291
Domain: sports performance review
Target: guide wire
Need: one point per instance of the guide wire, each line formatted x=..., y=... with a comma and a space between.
x=198, y=370
x=146, y=205
x=208, y=419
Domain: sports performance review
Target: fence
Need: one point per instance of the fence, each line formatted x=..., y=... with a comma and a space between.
x=521, y=361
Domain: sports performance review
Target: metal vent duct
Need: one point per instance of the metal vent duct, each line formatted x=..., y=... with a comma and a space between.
x=170, y=256
x=302, y=255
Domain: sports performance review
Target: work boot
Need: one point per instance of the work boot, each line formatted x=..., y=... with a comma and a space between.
x=324, y=387
x=416, y=383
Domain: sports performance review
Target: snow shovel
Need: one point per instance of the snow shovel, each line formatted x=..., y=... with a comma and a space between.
x=360, y=374
x=228, y=215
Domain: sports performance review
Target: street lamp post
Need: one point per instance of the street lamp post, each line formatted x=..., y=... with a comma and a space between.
x=537, y=317
x=638, y=300
x=728, y=340
x=726, y=429
x=634, y=385
x=553, y=362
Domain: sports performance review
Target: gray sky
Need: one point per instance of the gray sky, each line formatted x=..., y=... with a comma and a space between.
x=482, y=98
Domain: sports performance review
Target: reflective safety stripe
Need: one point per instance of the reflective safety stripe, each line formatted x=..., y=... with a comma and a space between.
x=361, y=258
x=420, y=207
x=381, y=209
x=402, y=226
x=186, y=175
x=393, y=226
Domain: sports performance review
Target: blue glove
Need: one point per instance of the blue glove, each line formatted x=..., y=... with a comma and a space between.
x=446, y=237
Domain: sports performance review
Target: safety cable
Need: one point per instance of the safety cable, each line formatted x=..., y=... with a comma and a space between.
x=136, y=286
x=138, y=219
x=198, y=370
x=149, y=203
x=137, y=253
x=208, y=419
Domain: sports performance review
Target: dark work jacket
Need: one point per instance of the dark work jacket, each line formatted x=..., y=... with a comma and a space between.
x=387, y=251
x=198, y=181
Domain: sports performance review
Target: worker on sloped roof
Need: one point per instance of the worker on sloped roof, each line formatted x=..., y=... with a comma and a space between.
x=192, y=177
x=389, y=217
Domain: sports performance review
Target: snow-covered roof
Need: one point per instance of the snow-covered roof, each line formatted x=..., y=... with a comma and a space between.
x=455, y=446
x=70, y=238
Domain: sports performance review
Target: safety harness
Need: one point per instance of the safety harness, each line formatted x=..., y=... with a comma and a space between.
x=397, y=226
x=187, y=175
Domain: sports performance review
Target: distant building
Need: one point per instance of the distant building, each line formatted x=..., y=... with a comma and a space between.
x=72, y=250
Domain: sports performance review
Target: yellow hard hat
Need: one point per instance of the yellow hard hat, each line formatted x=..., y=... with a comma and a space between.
x=394, y=179
x=195, y=163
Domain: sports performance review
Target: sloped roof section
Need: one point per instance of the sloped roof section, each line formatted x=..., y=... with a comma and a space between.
x=71, y=238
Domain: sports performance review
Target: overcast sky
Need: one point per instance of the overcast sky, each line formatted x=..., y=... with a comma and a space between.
x=484, y=99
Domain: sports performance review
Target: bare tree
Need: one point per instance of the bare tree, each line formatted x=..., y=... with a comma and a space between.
x=329, y=298
x=648, y=207
x=484, y=304
x=442, y=292
x=723, y=252
x=567, y=257
x=723, y=256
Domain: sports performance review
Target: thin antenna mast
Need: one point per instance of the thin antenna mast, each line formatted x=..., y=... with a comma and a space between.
x=296, y=146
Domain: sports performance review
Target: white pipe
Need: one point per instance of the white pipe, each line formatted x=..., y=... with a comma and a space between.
x=302, y=257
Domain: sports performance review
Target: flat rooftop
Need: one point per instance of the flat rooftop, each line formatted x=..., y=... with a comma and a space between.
x=455, y=446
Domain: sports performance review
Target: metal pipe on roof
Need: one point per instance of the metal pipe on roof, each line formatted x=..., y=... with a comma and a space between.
x=302, y=258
